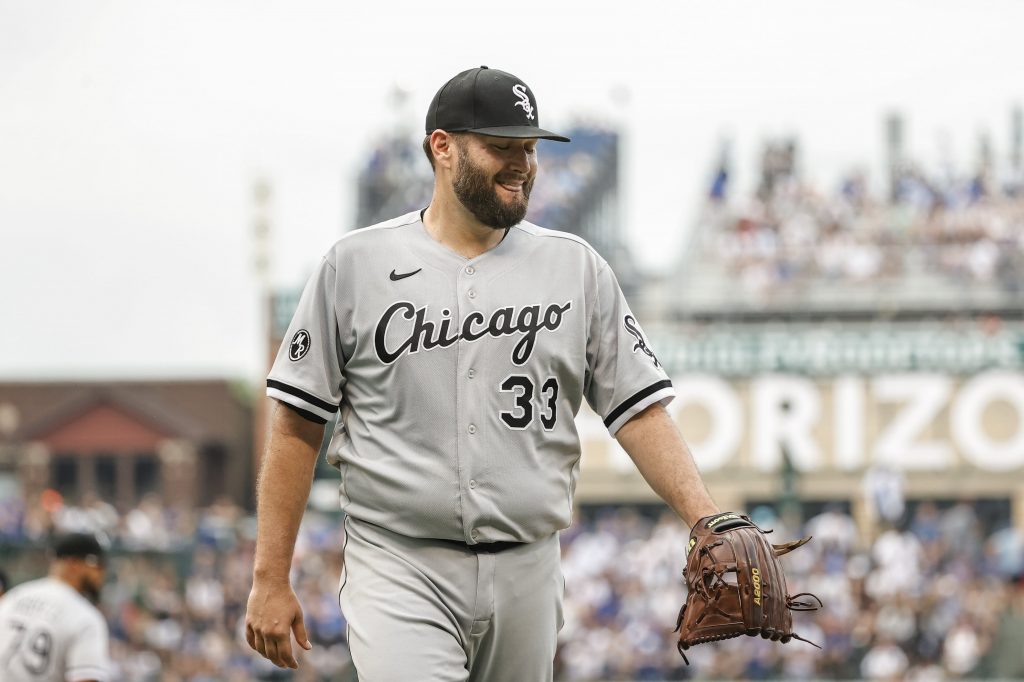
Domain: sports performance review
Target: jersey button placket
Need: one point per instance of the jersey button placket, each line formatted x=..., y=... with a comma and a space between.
x=468, y=399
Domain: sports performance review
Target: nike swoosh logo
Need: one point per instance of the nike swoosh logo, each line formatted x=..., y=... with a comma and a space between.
x=395, y=277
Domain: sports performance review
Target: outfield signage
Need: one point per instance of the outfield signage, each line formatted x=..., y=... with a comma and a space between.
x=908, y=421
x=831, y=351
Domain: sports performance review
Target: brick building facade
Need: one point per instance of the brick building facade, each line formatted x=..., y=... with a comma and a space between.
x=188, y=442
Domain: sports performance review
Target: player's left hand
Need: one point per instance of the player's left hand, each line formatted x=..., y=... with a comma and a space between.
x=272, y=614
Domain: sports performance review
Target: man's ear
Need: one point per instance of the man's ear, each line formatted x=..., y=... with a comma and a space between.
x=442, y=144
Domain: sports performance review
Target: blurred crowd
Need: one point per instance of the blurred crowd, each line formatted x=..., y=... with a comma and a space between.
x=926, y=601
x=178, y=581
x=938, y=596
x=397, y=178
x=570, y=173
x=965, y=229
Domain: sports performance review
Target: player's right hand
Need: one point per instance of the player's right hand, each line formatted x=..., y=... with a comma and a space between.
x=271, y=616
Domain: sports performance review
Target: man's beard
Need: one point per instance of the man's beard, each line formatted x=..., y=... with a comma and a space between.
x=476, y=192
x=90, y=590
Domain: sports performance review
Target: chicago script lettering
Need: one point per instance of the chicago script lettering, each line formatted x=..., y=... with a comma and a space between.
x=417, y=332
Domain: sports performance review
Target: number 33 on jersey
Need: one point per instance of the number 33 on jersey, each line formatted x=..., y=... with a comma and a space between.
x=463, y=376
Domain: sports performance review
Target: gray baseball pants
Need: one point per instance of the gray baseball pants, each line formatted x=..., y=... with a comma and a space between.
x=438, y=611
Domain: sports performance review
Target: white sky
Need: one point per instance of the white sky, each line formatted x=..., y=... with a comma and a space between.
x=131, y=132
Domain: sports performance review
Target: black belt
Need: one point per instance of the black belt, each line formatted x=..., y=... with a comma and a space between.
x=480, y=547
x=486, y=547
x=495, y=547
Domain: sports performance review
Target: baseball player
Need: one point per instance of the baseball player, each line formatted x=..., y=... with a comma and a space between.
x=456, y=344
x=50, y=631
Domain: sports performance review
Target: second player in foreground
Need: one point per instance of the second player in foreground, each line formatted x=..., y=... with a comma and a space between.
x=458, y=343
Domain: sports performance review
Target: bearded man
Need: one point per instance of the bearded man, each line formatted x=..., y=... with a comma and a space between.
x=50, y=628
x=455, y=345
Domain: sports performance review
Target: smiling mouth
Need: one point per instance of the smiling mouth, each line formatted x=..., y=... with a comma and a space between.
x=512, y=186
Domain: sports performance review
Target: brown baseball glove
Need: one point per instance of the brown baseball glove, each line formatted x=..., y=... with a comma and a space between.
x=736, y=584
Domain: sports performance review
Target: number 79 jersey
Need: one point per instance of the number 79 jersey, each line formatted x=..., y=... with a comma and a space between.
x=457, y=380
x=50, y=633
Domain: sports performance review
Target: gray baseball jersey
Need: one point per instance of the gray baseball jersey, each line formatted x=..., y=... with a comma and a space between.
x=457, y=379
x=51, y=633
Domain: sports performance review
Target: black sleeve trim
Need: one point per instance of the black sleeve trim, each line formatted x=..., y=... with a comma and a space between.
x=634, y=399
x=298, y=393
x=304, y=413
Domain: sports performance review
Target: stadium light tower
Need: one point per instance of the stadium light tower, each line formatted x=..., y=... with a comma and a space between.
x=1016, y=140
x=894, y=152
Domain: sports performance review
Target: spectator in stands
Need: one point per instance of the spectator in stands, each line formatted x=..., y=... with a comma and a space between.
x=949, y=229
x=884, y=661
x=960, y=528
x=835, y=530
x=1005, y=552
x=1005, y=658
x=93, y=515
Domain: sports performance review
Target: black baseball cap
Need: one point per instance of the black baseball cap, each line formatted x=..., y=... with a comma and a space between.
x=489, y=102
x=78, y=546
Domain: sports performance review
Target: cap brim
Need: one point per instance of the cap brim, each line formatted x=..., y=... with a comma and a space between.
x=520, y=132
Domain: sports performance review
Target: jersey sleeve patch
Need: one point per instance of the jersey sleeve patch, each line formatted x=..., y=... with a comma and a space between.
x=306, y=404
x=660, y=391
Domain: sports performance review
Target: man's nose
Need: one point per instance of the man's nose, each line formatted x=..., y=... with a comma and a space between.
x=520, y=160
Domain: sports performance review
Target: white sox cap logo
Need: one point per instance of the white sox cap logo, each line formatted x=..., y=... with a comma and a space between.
x=524, y=100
